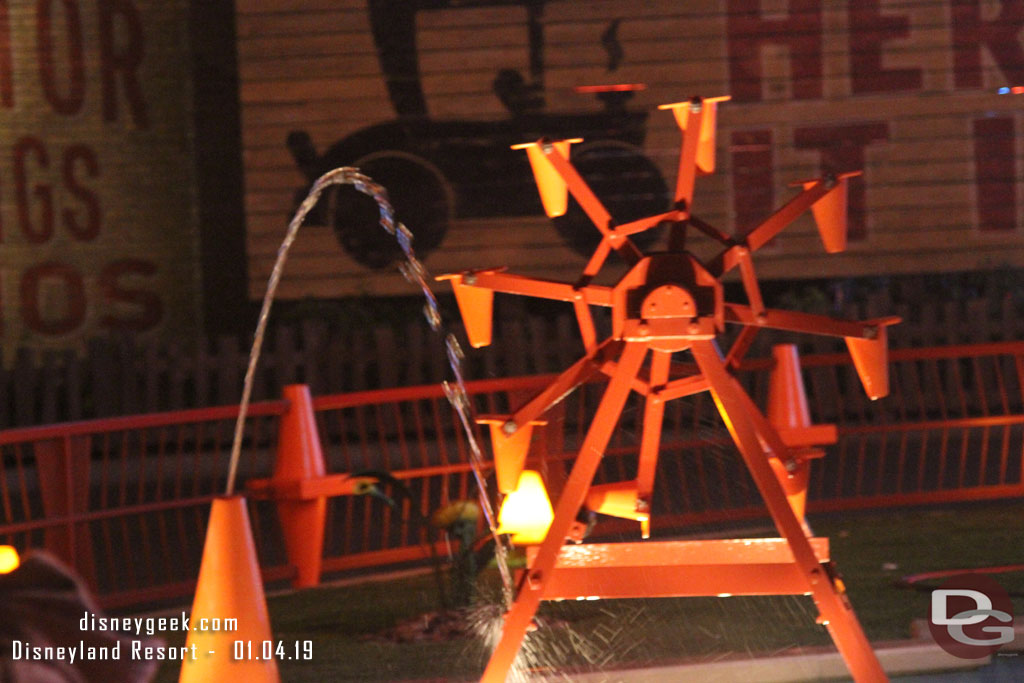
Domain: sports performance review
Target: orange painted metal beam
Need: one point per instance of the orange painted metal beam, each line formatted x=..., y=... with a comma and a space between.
x=654, y=414
x=585, y=321
x=642, y=224
x=106, y=425
x=740, y=347
x=575, y=375
x=593, y=207
x=828, y=593
x=795, y=321
x=711, y=231
x=766, y=231
x=662, y=569
x=531, y=589
x=596, y=262
x=774, y=224
x=542, y=289
x=670, y=302
x=305, y=488
x=687, y=386
x=750, y=285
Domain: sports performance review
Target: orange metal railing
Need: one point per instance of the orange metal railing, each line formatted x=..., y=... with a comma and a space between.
x=124, y=499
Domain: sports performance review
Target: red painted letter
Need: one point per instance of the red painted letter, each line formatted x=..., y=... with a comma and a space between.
x=88, y=229
x=1000, y=35
x=869, y=29
x=995, y=170
x=6, y=58
x=123, y=59
x=72, y=102
x=842, y=149
x=753, y=185
x=151, y=309
x=74, y=298
x=42, y=192
x=800, y=31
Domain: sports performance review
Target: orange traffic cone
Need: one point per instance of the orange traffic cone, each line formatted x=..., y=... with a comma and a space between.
x=476, y=305
x=788, y=411
x=706, y=140
x=787, y=400
x=830, y=216
x=554, y=191
x=230, y=587
x=871, y=359
x=300, y=457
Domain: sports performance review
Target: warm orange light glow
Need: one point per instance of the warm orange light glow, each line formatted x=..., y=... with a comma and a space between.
x=526, y=513
x=9, y=560
x=615, y=87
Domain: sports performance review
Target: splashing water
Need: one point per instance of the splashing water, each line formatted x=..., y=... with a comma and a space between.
x=537, y=655
x=415, y=272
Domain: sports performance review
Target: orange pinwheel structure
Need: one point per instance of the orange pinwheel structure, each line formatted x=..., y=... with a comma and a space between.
x=667, y=303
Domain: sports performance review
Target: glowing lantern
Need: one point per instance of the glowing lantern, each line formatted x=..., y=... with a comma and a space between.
x=9, y=560
x=526, y=513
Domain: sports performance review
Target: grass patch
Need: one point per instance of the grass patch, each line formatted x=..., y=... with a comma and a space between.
x=608, y=632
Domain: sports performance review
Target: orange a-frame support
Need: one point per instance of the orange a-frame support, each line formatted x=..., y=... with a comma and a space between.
x=669, y=302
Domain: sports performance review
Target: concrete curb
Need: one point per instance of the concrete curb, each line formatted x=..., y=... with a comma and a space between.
x=898, y=658
x=919, y=631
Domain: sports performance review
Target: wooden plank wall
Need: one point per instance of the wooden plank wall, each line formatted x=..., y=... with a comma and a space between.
x=118, y=376
x=97, y=205
x=907, y=90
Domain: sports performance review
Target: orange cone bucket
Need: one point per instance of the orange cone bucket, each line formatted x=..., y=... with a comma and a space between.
x=230, y=587
x=788, y=410
x=554, y=191
x=300, y=457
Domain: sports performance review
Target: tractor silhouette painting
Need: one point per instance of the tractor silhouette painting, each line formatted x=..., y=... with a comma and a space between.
x=441, y=170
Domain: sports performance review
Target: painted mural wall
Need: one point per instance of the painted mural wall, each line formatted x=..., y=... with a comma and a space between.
x=926, y=97
x=97, y=225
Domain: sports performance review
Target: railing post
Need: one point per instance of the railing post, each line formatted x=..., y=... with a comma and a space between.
x=300, y=457
x=63, y=470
